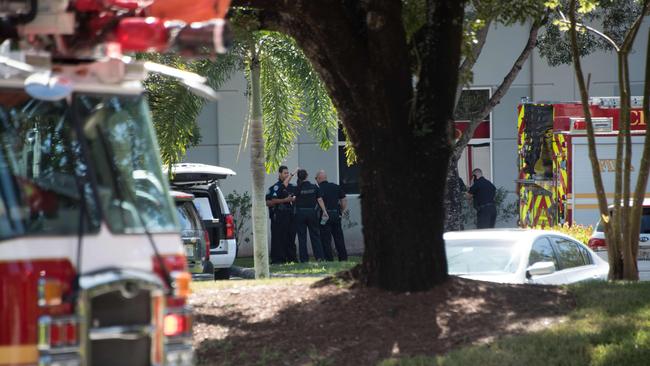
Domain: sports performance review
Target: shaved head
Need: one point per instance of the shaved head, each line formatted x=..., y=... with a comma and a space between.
x=321, y=176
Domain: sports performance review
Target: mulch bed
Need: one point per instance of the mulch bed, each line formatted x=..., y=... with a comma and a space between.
x=299, y=324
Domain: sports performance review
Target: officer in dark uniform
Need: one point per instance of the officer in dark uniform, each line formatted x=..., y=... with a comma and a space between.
x=336, y=204
x=291, y=245
x=308, y=200
x=483, y=191
x=278, y=200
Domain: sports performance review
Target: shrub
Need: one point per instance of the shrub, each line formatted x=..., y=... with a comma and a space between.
x=579, y=232
x=240, y=206
x=505, y=210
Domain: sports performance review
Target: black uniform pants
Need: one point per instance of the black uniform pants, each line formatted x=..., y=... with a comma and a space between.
x=486, y=216
x=280, y=230
x=291, y=240
x=307, y=218
x=332, y=228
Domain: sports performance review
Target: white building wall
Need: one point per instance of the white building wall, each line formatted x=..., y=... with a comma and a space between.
x=222, y=122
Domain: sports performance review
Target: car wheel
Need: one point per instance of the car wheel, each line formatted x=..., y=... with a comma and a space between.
x=222, y=274
x=208, y=267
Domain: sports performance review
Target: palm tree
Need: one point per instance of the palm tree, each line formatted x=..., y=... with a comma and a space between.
x=284, y=94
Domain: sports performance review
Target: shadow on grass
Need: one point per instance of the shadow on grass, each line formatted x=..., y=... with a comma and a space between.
x=609, y=327
x=364, y=326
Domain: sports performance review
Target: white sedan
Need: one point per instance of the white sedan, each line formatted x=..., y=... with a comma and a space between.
x=522, y=256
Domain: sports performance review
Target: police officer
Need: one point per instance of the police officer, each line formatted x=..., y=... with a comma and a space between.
x=308, y=200
x=336, y=204
x=482, y=192
x=278, y=200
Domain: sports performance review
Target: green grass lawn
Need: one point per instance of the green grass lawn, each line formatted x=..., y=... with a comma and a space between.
x=309, y=268
x=610, y=326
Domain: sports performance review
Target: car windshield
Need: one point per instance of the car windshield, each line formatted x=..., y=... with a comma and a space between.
x=465, y=256
x=187, y=216
x=42, y=172
x=132, y=190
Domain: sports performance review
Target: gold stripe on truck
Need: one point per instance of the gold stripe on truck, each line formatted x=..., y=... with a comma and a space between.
x=22, y=354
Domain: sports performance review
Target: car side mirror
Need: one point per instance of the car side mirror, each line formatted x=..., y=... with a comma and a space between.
x=540, y=268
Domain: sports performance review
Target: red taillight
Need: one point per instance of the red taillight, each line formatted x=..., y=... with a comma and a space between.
x=230, y=227
x=71, y=333
x=57, y=332
x=176, y=324
x=56, y=335
x=176, y=266
x=142, y=34
x=173, y=263
x=206, y=235
x=597, y=244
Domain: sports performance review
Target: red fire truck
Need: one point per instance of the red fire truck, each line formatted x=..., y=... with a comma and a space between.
x=92, y=270
x=555, y=182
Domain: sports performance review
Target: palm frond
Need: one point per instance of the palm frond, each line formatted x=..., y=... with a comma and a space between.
x=317, y=110
x=174, y=108
x=280, y=107
x=350, y=153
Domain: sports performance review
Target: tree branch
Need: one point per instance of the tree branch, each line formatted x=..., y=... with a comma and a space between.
x=469, y=61
x=500, y=92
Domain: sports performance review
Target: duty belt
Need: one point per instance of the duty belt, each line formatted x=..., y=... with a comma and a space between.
x=484, y=205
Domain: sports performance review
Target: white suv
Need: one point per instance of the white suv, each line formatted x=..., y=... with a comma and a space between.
x=202, y=180
x=598, y=244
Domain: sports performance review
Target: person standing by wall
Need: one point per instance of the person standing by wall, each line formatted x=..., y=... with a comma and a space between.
x=482, y=192
x=278, y=200
x=308, y=200
x=336, y=204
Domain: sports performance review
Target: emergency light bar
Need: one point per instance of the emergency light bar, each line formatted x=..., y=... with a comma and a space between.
x=615, y=102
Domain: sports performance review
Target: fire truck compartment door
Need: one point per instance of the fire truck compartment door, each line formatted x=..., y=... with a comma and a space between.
x=584, y=199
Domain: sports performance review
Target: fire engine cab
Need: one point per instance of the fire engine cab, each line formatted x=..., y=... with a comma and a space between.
x=92, y=269
x=555, y=182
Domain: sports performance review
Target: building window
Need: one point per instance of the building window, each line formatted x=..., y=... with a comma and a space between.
x=478, y=153
x=348, y=175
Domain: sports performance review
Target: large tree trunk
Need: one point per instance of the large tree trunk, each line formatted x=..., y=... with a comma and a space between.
x=402, y=138
x=259, y=210
x=454, y=196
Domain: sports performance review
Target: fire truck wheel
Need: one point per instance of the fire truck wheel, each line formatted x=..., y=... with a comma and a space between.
x=222, y=274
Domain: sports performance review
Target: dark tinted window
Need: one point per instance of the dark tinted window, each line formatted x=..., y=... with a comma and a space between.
x=187, y=216
x=569, y=253
x=542, y=251
x=585, y=254
x=348, y=175
x=645, y=221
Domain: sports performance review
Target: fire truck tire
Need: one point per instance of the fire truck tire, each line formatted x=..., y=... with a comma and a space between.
x=222, y=274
